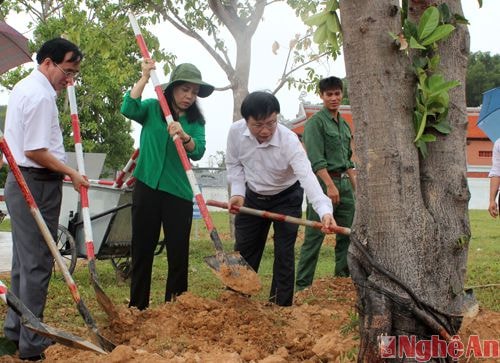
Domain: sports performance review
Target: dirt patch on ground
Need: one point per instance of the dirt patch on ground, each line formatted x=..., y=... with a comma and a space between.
x=320, y=327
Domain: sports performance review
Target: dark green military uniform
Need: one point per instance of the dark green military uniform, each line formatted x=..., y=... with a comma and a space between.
x=328, y=146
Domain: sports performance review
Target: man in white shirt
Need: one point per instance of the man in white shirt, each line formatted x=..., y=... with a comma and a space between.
x=268, y=169
x=494, y=180
x=34, y=136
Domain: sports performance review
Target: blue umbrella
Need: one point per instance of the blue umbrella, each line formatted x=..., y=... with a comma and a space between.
x=489, y=117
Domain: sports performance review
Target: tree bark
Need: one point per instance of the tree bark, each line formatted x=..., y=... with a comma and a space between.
x=407, y=256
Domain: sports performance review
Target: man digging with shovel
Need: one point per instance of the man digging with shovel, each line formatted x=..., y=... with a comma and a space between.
x=32, y=129
x=268, y=169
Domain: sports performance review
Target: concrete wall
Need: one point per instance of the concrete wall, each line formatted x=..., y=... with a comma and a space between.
x=480, y=190
x=478, y=187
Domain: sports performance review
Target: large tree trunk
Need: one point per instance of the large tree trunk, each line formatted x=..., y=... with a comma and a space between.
x=407, y=256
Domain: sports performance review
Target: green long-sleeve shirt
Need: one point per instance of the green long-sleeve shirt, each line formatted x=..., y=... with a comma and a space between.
x=328, y=142
x=159, y=165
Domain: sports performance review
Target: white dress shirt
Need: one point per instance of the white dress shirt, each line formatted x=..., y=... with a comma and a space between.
x=32, y=120
x=271, y=167
x=495, y=167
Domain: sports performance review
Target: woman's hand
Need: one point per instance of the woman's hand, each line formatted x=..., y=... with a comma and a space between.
x=147, y=65
x=175, y=128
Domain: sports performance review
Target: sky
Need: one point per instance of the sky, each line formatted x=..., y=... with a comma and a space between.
x=267, y=67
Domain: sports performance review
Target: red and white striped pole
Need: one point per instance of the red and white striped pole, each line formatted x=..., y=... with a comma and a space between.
x=75, y=122
x=102, y=298
x=128, y=168
x=129, y=183
x=94, y=181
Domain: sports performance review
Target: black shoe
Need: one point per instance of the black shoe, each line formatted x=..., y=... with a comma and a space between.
x=35, y=358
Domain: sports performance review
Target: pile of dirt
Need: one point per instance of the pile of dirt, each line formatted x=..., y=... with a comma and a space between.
x=320, y=327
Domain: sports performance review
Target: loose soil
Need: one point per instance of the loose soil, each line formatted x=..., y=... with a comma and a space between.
x=320, y=327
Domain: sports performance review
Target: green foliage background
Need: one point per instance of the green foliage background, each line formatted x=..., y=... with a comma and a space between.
x=110, y=67
x=483, y=74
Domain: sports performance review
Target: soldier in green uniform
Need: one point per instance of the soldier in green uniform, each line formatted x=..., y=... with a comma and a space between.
x=327, y=139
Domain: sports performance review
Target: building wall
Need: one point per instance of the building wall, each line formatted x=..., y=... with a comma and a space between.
x=479, y=152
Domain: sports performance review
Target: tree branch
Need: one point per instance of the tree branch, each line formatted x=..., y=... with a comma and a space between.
x=178, y=23
x=285, y=75
x=256, y=16
x=227, y=14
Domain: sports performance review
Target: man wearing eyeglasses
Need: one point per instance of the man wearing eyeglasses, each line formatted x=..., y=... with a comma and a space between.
x=268, y=170
x=34, y=136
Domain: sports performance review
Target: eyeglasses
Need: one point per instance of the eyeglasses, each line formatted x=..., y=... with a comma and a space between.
x=268, y=125
x=68, y=74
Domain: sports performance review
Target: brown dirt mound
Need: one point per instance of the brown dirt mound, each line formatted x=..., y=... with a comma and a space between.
x=318, y=328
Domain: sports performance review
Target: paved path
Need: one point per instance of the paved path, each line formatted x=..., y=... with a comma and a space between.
x=5, y=251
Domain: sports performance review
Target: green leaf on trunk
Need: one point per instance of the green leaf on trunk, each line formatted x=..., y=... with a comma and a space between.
x=445, y=12
x=428, y=138
x=421, y=145
x=421, y=126
x=414, y=44
x=443, y=127
x=428, y=22
x=441, y=32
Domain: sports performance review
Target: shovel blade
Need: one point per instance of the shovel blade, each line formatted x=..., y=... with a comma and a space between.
x=103, y=342
x=29, y=320
x=104, y=300
x=234, y=272
x=63, y=338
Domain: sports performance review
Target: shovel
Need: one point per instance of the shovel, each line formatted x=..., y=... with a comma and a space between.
x=30, y=321
x=103, y=299
x=231, y=269
x=127, y=169
x=279, y=217
x=44, y=230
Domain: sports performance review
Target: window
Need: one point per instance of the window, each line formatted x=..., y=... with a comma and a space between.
x=485, y=154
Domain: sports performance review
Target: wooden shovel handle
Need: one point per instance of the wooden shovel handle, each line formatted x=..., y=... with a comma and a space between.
x=279, y=217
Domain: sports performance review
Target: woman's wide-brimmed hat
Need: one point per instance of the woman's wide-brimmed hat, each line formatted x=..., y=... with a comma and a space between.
x=187, y=72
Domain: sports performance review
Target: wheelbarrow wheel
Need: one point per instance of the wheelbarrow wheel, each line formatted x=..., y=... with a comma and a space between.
x=67, y=247
x=122, y=266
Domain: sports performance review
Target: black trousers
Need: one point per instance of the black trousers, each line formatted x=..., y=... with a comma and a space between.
x=251, y=235
x=151, y=209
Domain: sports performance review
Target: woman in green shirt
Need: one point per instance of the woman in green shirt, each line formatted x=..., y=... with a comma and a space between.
x=162, y=194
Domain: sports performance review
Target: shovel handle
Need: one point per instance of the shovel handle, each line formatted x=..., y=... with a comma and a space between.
x=278, y=217
x=127, y=169
x=102, y=298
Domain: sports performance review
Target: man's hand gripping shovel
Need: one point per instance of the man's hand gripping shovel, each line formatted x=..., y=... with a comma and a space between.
x=231, y=269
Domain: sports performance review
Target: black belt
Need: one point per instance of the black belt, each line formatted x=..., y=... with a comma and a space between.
x=42, y=173
x=338, y=174
x=274, y=196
